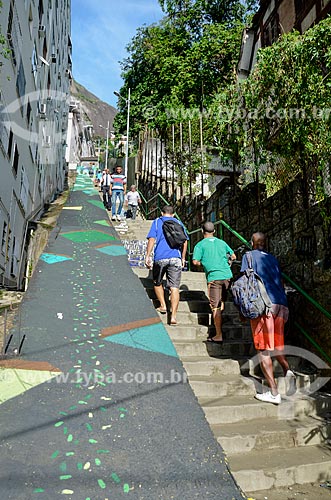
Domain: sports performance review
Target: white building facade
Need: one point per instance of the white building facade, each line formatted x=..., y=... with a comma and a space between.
x=34, y=104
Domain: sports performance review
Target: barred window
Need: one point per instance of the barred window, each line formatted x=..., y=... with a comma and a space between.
x=271, y=31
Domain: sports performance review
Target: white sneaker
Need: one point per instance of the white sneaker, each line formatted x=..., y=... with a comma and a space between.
x=113, y=217
x=291, y=383
x=119, y=218
x=267, y=397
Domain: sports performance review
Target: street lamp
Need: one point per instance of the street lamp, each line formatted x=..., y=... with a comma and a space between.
x=107, y=129
x=127, y=128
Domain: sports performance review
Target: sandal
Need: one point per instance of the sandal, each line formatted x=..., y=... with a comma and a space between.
x=161, y=310
x=211, y=339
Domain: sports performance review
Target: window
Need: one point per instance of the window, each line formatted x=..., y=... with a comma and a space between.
x=14, y=259
x=10, y=33
x=41, y=11
x=45, y=49
x=4, y=134
x=20, y=81
x=31, y=22
x=24, y=189
x=15, y=159
x=34, y=64
x=14, y=34
x=271, y=31
x=4, y=237
x=10, y=143
x=28, y=113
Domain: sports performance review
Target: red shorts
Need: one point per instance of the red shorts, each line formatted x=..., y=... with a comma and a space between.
x=268, y=331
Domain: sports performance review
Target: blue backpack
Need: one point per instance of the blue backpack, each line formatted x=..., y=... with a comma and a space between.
x=249, y=293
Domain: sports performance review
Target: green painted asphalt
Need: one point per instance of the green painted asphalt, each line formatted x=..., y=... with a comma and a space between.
x=119, y=421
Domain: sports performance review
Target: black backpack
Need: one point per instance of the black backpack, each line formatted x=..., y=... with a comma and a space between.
x=173, y=232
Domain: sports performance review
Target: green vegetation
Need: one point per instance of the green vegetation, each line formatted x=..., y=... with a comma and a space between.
x=290, y=92
x=4, y=49
x=274, y=126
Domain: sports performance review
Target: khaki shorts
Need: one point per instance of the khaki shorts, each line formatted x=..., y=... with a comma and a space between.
x=217, y=292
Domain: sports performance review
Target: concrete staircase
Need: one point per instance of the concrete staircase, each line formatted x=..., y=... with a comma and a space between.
x=267, y=447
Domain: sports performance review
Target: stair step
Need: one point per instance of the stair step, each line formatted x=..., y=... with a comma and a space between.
x=188, y=277
x=220, y=410
x=262, y=434
x=191, y=332
x=226, y=385
x=303, y=382
x=230, y=312
x=193, y=348
x=266, y=469
x=188, y=332
x=209, y=367
x=196, y=289
x=229, y=349
x=307, y=491
x=184, y=318
x=268, y=446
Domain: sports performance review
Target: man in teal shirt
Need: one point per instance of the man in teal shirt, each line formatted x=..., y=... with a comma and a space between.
x=213, y=255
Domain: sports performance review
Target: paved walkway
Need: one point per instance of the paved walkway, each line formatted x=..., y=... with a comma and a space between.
x=97, y=406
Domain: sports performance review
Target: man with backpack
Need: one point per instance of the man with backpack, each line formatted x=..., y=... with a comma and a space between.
x=213, y=255
x=168, y=237
x=268, y=329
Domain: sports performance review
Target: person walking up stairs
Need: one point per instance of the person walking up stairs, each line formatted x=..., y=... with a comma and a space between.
x=273, y=451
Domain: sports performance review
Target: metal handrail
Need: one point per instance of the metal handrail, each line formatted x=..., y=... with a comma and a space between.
x=158, y=197
x=222, y=223
x=300, y=290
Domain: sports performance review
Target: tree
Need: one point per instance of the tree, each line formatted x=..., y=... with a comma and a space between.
x=288, y=95
x=194, y=13
x=176, y=68
x=168, y=72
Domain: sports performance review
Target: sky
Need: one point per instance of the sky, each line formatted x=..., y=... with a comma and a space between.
x=101, y=31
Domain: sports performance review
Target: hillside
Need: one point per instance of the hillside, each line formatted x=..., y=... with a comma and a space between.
x=95, y=111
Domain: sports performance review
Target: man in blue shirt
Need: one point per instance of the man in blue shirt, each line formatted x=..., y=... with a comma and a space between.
x=167, y=261
x=268, y=330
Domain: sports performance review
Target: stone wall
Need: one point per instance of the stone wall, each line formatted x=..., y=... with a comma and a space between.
x=299, y=236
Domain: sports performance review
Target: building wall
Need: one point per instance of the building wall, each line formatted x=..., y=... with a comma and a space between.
x=299, y=237
x=274, y=18
x=287, y=18
x=34, y=93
